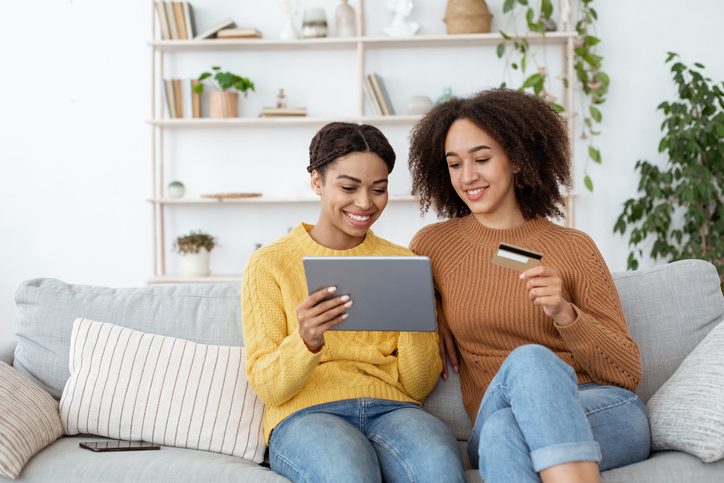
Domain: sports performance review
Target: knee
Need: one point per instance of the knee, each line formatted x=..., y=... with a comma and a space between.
x=534, y=359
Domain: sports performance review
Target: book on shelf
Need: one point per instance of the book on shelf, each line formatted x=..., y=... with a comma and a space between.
x=181, y=101
x=371, y=98
x=283, y=112
x=162, y=20
x=175, y=19
x=381, y=94
x=238, y=33
x=171, y=16
x=211, y=33
x=189, y=19
x=169, y=97
x=195, y=100
x=178, y=13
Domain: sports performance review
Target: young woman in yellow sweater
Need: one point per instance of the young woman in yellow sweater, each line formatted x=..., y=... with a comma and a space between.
x=546, y=362
x=340, y=405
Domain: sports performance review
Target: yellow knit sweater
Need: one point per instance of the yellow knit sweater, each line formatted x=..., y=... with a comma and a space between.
x=488, y=310
x=399, y=366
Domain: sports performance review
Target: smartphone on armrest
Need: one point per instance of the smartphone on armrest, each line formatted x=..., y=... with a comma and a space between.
x=103, y=446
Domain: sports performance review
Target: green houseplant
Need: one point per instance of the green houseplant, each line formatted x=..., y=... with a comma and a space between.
x=223, y=101
x=590, y=79
x=681, y=205
x=194, y=249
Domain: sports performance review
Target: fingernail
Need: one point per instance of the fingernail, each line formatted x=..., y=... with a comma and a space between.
x=332, y=289
x=344, y=298
x=344, y=316
x=522, y=275
x=348, y=304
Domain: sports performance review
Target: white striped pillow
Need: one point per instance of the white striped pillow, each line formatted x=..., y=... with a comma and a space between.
x=131, y=385
x=28, y=421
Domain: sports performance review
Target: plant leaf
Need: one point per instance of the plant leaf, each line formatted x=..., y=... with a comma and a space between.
x=595, y=114
x=500, y=49
x=595, y=154
x=546, y=8
x=508, y=5
x=588, y=182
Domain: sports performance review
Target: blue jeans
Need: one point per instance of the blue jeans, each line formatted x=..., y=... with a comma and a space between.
x=364, y=440
x=534, y=415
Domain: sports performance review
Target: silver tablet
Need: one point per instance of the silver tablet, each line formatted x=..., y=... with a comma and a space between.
x=389, y=293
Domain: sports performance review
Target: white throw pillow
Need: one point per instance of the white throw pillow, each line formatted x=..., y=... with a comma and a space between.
x=28, y=421
x=135, y=386
x=687, y=412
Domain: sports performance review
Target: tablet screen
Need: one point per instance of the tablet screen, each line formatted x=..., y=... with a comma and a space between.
x=389, y=293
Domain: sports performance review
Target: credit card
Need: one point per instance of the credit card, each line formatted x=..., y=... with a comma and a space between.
x=520, y=259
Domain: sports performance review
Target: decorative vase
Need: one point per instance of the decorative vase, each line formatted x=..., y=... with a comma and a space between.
x=175, y=189
x=467, y=17
x=344, y=20
x=223, y=104
x=446, y=96
x=417, y=105
x=314, y=24
x=289, y=31
x=195, y=264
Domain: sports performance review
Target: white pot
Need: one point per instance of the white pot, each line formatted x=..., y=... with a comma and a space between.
x=195, y=264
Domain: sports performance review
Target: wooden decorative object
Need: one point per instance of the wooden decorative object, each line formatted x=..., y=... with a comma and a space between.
x=221, y=196
x=467, y=17
x=223, y=104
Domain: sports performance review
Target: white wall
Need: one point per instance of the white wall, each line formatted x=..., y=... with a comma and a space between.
x=74, y=146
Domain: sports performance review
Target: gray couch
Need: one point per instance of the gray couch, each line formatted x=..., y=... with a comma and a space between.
x=669, y=309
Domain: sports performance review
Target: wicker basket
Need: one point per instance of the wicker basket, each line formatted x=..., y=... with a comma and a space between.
x=467, y=17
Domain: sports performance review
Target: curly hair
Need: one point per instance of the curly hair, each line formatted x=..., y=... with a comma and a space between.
x=339, y=139
x=533, y=136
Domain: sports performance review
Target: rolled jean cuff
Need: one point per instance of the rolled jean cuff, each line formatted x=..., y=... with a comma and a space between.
x=565, y=453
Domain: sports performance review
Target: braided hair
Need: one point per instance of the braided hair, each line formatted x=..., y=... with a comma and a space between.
x=339, y=139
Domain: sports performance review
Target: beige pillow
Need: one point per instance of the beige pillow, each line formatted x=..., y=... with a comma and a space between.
x=134, y=386
x=28, y=421
x=687, y=412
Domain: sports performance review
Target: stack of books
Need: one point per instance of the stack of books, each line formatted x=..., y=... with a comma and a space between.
x=238, y=33
x=377, y=95
x=283, y=112
x=176, y=20
x=180, y=99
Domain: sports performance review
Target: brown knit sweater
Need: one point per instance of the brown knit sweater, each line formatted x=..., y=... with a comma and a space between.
x=489, y=312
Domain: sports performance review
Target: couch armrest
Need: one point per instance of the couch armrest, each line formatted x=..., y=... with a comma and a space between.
x=7, y=350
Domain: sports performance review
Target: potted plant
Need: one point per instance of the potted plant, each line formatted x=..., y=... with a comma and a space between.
x=681, y=208
x=194, y=249
x=223, y=101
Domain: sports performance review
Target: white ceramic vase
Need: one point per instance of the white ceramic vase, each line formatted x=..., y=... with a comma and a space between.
x=418, y=105
x=289, y=31
x=195, y=264
x=344, y=20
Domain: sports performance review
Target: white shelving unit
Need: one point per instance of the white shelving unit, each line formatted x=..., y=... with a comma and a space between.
x=357, y=46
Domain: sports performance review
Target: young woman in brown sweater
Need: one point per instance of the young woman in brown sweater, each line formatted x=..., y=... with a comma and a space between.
x=546, y=362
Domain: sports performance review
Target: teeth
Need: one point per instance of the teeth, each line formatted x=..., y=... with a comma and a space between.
x=358, y=217
x=475, y=191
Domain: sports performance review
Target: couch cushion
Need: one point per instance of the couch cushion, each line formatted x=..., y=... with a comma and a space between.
x=661, y=467
x=132, y=385
x=687, y=412
x=64, y=461
x=203, y=313
x=446, y=403
x=28, y=420
x=666, y=467
x=669, y=309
